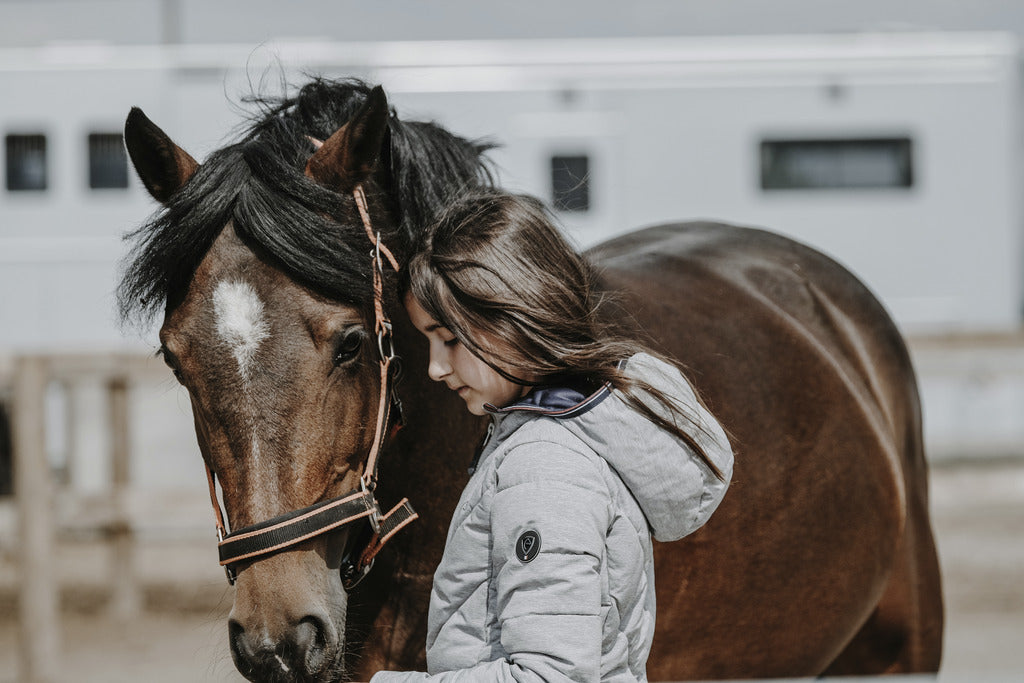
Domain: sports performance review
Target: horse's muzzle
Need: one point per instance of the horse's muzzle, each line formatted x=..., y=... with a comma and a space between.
x=305, y=653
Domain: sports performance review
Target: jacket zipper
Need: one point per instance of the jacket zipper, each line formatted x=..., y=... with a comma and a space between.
x=481, y=447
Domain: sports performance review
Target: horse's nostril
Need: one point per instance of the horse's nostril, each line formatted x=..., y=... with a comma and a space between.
x=311, y=641
x=241, y=648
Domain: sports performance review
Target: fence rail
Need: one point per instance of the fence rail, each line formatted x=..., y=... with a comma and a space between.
x=26, y=379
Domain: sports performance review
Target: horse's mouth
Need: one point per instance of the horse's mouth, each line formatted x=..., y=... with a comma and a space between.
x=271, y=667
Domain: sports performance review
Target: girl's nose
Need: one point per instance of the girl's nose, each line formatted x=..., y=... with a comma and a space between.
x=439, y=367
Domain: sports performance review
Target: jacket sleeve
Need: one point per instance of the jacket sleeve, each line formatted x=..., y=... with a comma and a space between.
x=549, y=604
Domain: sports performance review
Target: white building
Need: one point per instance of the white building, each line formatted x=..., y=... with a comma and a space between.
x=898, y=154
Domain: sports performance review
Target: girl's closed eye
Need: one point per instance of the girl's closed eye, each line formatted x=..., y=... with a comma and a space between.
x=447, y=338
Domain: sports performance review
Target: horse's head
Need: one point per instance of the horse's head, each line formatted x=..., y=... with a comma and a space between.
x=265, y=268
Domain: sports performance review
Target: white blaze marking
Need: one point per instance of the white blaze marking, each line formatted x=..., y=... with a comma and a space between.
x=255, y=448
x=242, y=326
x=240, y=322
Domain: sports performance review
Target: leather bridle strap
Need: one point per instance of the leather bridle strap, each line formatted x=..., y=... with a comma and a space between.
x=289, y=529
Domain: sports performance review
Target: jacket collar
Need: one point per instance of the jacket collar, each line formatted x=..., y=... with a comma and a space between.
x=560, y=402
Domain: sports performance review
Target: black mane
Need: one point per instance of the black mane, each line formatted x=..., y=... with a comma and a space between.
x=311, y=233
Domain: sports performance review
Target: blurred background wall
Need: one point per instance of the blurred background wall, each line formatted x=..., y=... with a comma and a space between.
x=887, y=136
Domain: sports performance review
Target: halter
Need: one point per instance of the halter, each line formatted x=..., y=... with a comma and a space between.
x=289, y=529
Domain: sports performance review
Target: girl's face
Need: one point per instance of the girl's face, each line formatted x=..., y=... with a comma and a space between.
x=452, y=363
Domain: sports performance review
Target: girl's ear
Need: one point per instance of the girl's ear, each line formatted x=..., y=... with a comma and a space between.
x=162, y=166
x=352, y=153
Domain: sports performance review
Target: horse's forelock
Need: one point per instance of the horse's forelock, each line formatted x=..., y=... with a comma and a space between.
x=311, y=232
x=167, y=249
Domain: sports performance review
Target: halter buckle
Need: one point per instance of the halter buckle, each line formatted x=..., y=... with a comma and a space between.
x=370, y=501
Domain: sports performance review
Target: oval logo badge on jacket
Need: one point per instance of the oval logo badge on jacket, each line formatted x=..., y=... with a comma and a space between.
x=528, y=545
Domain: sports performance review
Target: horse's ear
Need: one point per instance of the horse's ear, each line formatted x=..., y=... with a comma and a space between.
x=162, y=166
x=351, y=154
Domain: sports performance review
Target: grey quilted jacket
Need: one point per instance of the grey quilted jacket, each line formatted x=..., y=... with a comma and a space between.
x=547, y=573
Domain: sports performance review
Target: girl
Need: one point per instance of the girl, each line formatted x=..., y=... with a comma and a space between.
x=594, y=445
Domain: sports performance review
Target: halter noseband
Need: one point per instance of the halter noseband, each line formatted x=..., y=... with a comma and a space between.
x=284, y=531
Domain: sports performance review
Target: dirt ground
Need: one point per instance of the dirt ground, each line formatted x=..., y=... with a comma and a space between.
x=182, y=635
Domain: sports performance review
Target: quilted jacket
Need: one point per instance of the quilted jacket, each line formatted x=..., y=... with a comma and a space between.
x=547, y=572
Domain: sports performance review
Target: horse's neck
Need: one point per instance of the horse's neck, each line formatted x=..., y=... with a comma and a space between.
x=429, y=459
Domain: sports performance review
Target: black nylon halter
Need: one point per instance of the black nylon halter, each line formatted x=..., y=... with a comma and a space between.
x=284, y=531
x=294, y=527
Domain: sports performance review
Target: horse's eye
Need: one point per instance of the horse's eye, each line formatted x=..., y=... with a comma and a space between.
x=349, y=345
x=171, y=362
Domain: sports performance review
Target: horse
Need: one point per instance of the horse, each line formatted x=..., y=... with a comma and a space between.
x=265, y=262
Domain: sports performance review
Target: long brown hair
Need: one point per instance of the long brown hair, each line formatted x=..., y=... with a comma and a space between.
x=496, y=271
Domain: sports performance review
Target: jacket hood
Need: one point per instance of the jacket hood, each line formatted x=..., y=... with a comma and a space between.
x=675, y=489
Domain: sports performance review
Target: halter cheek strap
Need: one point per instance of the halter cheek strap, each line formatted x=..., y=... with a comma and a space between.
x=385, y=341
x=284, y=531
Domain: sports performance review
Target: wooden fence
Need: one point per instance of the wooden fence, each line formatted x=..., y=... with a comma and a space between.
x=27, y=378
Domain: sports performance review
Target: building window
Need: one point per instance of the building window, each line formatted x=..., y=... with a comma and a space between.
x=828, y=164
x=570, y=183
x=26, y=162
x=108, y=163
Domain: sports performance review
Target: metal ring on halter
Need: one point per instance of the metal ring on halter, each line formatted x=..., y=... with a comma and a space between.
x=228, y=571
x=385, y=333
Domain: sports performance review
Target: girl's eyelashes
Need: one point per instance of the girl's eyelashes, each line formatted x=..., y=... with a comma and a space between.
x=447, y=338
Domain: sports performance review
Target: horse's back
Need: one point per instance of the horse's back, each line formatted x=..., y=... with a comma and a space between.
x=821, y=557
